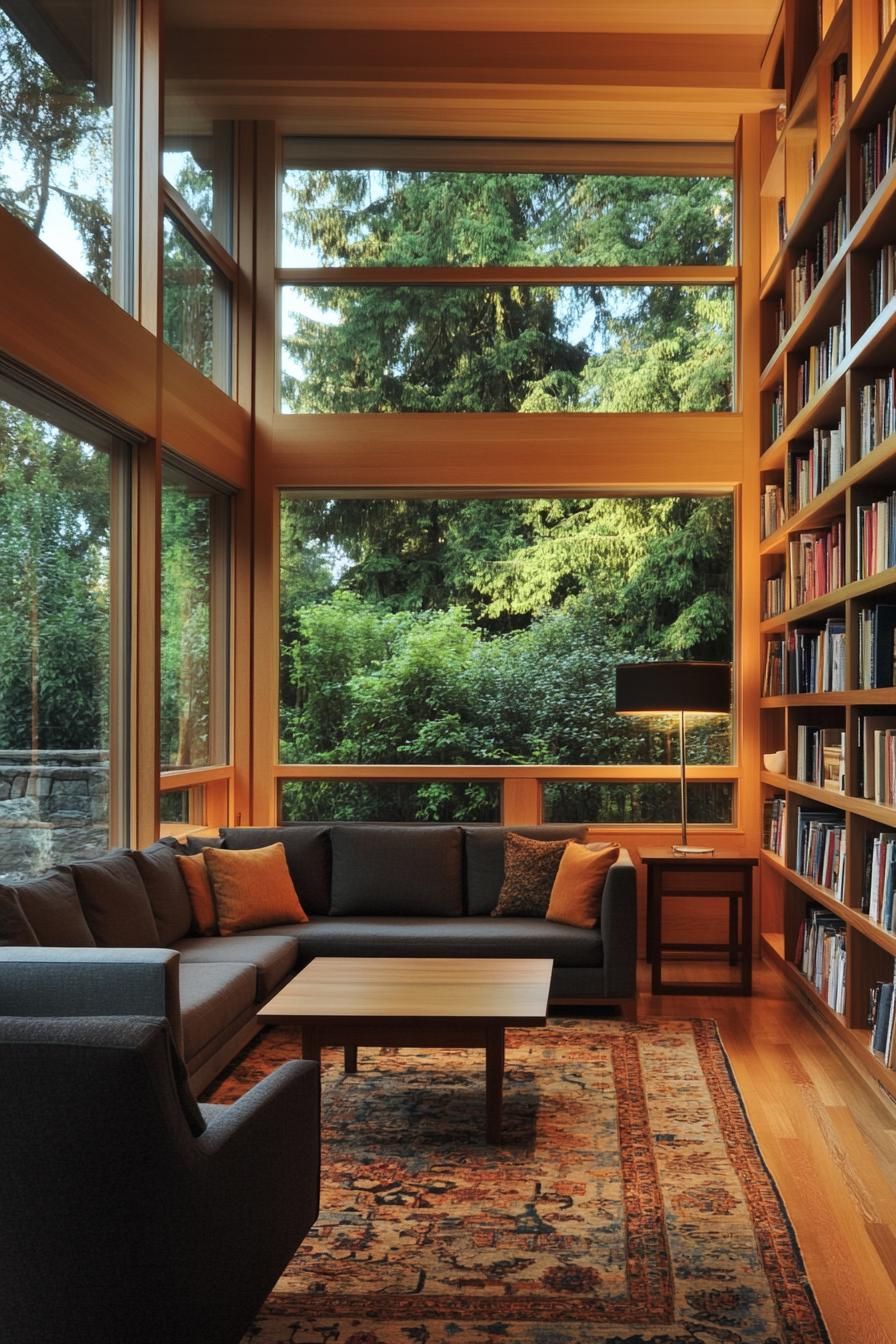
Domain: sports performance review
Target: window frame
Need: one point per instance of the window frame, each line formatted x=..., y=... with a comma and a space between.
x=225, y=272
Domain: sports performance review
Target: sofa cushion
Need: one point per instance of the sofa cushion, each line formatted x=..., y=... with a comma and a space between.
x=530, y=867
x=157, y=865
x=579, y=884
x=484, y=859
x=307, y=851
x=115, y=902
x=53, y=910
x=397, y=870
x=457, y=936
x=212, y=996
x=252, y=888
x=273, y=958
x=204, y=920
x=15, y=931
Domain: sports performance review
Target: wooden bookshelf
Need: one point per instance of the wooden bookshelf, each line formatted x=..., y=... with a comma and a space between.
x=824, y=230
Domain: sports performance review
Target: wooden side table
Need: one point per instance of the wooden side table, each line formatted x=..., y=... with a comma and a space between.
x=658, y=863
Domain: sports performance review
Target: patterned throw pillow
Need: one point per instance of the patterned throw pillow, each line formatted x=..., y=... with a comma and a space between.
x=530, y=867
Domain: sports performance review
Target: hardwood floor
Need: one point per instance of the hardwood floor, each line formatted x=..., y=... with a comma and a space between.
x=828, y=1139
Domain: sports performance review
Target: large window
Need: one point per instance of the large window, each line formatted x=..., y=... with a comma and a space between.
x=194, y=603
x=66, y=132
x=62, y=544
x=471, y=632
x=471, y=291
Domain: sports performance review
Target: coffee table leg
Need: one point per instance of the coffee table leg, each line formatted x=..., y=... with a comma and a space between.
x=351, y=1058
x=311, y=1044
x=494, y=1082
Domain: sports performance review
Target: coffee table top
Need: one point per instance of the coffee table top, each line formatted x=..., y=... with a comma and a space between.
x=512, y=990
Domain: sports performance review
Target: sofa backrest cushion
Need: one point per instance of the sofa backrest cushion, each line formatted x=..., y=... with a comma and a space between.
x=484, y=858
x=115, y=902
x=397, y=870
x=53, y=910
x=15, y=931
x=307, y=851
x=167, y=892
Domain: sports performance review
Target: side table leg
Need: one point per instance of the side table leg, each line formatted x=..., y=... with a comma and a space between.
x=311, y=1044
x=732, y=928
x=351, y=1058
x=655, y=929
x=494, y=1082
x=746, y=929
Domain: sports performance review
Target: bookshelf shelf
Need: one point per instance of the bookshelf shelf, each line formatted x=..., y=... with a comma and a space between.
x=827, y=220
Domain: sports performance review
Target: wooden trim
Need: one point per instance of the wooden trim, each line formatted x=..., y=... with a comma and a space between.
x=602, y=773
x=202, y=424
x=193, y=777
x=505, y=452
x=362, y=276
x=507, y=156
x=145, y=608
x=148, y=93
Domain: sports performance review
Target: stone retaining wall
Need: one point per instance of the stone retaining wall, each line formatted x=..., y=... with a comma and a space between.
x=54, y=808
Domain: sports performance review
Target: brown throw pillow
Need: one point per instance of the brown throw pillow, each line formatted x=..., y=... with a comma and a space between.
x=576, y=893
x=199, y=889
x=530, y=867
x=252, y=888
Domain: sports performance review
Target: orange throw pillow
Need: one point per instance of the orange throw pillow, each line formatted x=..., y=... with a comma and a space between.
x=252, y=888
x=202, y=902
x=577, y=889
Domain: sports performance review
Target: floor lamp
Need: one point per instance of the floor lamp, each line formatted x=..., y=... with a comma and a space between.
x=675, y=688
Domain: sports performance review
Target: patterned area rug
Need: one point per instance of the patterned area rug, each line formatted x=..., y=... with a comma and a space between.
x=627, y=1204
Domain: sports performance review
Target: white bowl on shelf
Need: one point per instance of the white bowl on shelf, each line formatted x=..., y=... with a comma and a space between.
x=775, y=761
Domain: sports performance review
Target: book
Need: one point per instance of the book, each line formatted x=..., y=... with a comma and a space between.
x=877, y=646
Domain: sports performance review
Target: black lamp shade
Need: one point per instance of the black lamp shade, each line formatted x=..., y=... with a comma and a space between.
x=665, y=688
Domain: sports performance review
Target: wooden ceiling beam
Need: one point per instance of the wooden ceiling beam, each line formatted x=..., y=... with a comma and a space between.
x=543, y=58
x=755, y=17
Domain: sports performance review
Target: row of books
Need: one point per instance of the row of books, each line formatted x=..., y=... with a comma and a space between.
x=877, y=412
x=775, y=596
x=774, y=825
x=882, y=1019
x=812, y=469
x=875, y=536
x=821, y=954
x=816, y=563
x=839, y=91
x=876, y=757
x=821, y=848
x=772, y=512
x=877, y=150
x=821, y=757
x=811, y=265
x=883, y=279
x=877, y=646
x=879, y=886
x=811, y=661
x=821, y=360
x=778, y=420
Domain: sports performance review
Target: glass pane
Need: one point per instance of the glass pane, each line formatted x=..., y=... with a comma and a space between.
x=56, y=155
x=462, y=631
x=192, y=727
x=196, y=307
x=511, y=348
x=55, y=517
x=200, y=167
x=363, y=800
x=619, y=803
x=174, y=805
x=376, y=217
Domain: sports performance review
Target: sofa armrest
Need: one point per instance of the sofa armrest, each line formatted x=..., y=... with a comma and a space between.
x=91, y=982
x=264, y=1151
x=619, y=928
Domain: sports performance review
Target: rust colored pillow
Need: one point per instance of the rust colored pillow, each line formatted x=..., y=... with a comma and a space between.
x=252, y=888
x=202, y=902
x=530, y=867
x=576, y=893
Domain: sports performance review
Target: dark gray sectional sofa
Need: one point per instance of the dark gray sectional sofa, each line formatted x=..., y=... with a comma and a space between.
x=369, y=890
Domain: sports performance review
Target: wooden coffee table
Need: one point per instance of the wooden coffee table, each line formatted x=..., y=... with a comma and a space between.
x=446, y=1002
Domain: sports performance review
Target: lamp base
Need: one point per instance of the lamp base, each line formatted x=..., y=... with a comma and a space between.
x=693, y=849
